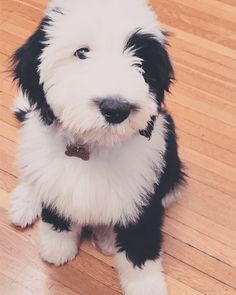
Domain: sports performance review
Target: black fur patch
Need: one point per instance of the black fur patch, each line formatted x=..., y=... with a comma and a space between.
x=141, y=241
x=158, y=70
x=25, y=63
x=173, y=174
x=59, y=223
x=21, y=115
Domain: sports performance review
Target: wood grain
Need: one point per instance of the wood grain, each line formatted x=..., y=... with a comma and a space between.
x=200, y=230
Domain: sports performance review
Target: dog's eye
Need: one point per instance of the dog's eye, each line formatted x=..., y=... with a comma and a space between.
x=82, y=53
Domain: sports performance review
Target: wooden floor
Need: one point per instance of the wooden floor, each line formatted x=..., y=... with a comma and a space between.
x=200, y=230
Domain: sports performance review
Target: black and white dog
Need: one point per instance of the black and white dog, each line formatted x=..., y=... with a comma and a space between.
x=97, y=147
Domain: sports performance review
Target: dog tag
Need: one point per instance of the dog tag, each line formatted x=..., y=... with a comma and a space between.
x=78, y=152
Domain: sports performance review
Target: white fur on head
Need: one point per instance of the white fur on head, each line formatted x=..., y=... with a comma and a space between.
x=71, y=85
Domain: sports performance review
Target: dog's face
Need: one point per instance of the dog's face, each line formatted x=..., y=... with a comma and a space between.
x=99, y=66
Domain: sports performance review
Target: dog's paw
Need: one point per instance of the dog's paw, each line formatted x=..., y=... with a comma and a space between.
x=147, y=286
x=57, y=247
x=107, y=249
x=148, y=279
x=24, y=206
x=104, y=240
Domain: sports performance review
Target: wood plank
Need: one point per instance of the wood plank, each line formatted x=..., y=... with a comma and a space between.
x=214, y=8
x=213, y=105
x=6, y=100
x=7, y=181
x=7, y=131
x=207, y=135
x=80, y=282
x=212, y=151
x=209, y=54
x=13, y=287
x=199, y=197
x=204, y=25
x=205, y=244
x=195, y=279
x=7, y=159
x=203, y=225
x=206, y=264
x=208, y=163
x=200, y=41
x=199, y=118
x=21, y=9
x=7, y=117
x=203, y=64
x=202, y=81
x=4, y=199
x=176, y=287
x=211, y=179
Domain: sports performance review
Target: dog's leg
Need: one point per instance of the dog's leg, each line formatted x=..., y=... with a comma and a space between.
x=25, y=206
x=58, y=237
x=104, y=239
x=148, y=280
x=139, y=247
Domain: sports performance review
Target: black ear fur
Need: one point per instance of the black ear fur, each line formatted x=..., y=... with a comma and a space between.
x=25, y=63
x=158, y=70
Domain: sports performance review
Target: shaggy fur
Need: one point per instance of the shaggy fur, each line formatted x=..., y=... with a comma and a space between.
x=94, y=74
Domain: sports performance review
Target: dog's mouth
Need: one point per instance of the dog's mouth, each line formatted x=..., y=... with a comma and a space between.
x=98, y=132
x=108, y=137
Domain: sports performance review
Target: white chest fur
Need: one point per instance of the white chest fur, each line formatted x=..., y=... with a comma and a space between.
x=109, y=188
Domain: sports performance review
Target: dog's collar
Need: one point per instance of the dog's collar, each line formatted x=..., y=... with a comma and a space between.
x=78, y=151
x=150, y=126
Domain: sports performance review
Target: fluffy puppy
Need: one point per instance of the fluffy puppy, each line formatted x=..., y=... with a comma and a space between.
x=97, y=147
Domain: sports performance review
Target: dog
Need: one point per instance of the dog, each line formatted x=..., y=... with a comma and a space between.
x=97, y=146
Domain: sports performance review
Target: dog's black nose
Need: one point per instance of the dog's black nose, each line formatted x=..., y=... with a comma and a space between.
x=115, y=110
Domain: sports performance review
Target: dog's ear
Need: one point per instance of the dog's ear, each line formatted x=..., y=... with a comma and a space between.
x=25, y=63
x=157, y=68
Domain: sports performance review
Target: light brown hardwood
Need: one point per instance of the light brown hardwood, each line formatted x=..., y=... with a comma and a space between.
x=200, y=230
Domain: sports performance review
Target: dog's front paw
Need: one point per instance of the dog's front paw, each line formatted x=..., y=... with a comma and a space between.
x=147, y=286
x=24, y=206
x=104, y=239
x=146, y=280
x=57, y=247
